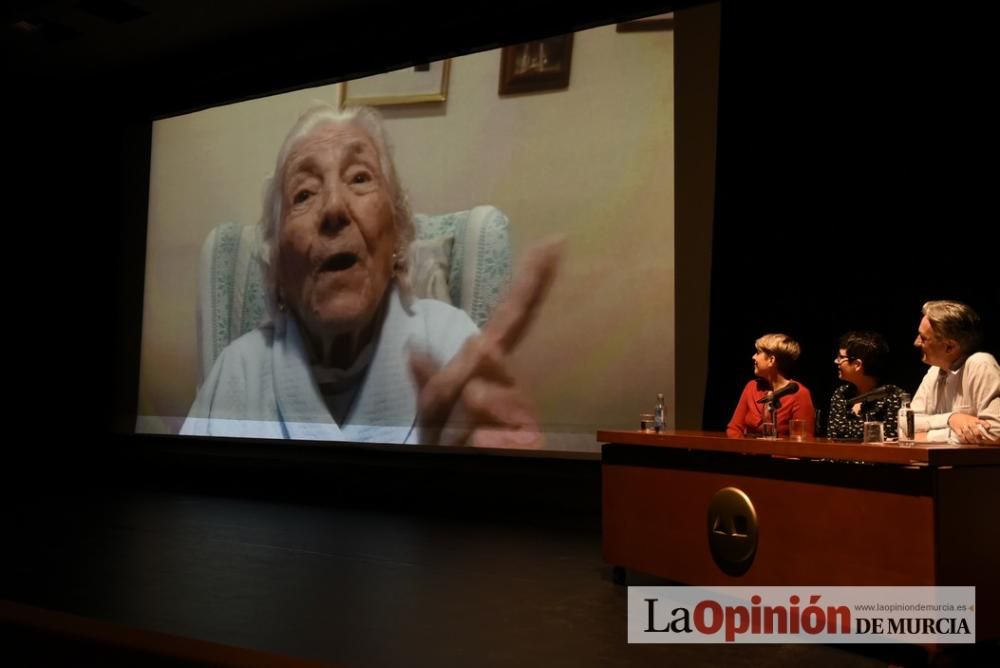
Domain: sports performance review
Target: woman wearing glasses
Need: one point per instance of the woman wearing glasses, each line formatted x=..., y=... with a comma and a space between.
x=772, y=362
x=860, y=364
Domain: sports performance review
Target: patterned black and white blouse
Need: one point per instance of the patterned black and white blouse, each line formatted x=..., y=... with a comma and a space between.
x=845, y=423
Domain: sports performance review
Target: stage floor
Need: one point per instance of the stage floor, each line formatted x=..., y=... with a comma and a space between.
x=352, y=586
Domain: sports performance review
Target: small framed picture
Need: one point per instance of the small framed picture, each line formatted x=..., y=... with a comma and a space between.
x=648, y=24
x=536, y=66
x=412, y=85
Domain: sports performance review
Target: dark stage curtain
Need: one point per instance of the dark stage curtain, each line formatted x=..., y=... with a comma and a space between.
x=852, y=185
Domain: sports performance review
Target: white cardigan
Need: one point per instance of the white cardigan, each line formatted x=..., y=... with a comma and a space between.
x=261, y=386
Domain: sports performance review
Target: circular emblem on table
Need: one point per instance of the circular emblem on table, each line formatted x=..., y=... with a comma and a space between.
x=732, y=531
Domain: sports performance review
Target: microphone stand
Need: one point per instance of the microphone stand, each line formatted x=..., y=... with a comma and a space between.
x=775, y=404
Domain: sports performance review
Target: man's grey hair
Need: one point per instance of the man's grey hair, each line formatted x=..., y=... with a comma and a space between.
x=955, y=321
x=273, y=206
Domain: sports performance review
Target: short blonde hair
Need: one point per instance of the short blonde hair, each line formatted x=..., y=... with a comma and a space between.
x=955, y=321
x=784, y=348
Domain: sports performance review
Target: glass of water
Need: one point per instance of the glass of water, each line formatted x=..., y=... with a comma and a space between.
x=874, y=432
x=646, y=422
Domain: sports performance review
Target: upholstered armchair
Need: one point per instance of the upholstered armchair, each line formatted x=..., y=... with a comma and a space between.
x=462, y=257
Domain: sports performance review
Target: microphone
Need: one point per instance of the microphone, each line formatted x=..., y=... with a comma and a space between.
x=874, y=395
x=791, y=388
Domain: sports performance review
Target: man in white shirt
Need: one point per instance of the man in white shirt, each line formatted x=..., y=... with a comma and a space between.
x=958, y=400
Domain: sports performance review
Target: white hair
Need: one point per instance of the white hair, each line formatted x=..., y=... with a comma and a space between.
x=270, y=222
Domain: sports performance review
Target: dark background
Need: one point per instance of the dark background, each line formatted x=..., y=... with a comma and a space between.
x=851, y=185
x=854, y=170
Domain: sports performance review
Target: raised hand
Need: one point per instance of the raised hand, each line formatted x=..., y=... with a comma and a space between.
x=475, y=395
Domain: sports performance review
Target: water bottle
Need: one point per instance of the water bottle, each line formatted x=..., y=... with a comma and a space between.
x=659, y=418
x=905, y=422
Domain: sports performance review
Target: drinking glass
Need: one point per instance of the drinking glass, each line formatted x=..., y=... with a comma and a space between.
x=874, y=432
x=646, y=422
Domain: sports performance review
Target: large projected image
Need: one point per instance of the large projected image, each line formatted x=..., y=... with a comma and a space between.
x=325, y=271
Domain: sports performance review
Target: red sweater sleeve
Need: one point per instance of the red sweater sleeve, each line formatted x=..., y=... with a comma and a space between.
x=803, y=409
x=737, y=425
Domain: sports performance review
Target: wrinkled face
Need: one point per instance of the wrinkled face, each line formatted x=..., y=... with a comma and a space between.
x=763, y=362
x=337, y=235
x=847, y=368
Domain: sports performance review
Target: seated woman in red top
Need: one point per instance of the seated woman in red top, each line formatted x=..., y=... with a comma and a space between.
x=772, y=364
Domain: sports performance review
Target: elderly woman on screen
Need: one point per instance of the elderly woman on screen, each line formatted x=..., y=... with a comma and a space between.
x=775, y=354
x=349, y=354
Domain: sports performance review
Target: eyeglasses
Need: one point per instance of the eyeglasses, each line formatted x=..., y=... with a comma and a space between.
x=841, y=359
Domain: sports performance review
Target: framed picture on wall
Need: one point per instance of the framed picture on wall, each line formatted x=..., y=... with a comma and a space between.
x=411, y=85
x=536, y=66
x=648, y=24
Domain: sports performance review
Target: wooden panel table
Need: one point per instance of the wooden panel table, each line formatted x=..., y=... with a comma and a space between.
x=827, y=513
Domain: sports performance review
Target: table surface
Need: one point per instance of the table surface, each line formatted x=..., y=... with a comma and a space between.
x=919, y=454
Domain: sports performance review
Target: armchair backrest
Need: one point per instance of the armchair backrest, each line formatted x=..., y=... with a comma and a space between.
x=231, y=292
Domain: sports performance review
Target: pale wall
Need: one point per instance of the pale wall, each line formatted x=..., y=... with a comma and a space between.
x=595, y=162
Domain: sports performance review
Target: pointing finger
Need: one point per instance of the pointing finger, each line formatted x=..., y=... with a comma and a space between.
x=532, y=280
